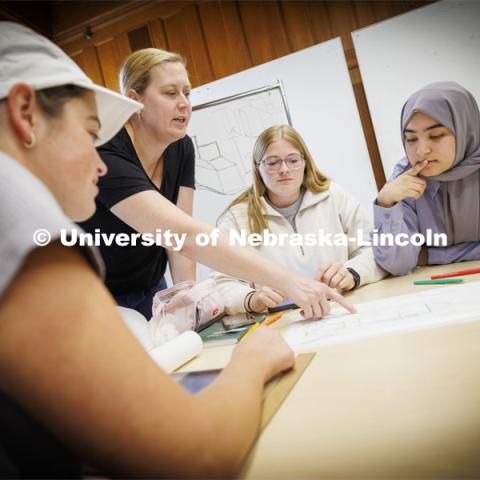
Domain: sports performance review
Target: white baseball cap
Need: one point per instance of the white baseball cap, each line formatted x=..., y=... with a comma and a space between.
x=27, y=57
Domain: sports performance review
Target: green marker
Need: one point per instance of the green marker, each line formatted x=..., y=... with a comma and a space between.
x=438, y=282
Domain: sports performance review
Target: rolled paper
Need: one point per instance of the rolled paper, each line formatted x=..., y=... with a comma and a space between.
x=174, y=353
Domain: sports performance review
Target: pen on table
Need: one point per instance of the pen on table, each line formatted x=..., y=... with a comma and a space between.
x=438, y=281
x=226, y=332
x=470, y=271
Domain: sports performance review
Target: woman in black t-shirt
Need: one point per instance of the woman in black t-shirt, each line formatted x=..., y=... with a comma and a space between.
x=152, y=153
x=150, y=168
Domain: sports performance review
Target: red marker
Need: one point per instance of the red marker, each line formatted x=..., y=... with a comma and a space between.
x=457, y=274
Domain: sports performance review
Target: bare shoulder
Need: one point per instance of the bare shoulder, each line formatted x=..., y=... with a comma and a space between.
x=68, y=359
x=54, y=295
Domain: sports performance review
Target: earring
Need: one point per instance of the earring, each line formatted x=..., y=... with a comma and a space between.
x=32, y=142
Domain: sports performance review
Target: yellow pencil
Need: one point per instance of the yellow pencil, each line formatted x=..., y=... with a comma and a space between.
x=250, y=330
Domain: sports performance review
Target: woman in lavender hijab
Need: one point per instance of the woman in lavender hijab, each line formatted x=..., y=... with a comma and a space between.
x=437, y=185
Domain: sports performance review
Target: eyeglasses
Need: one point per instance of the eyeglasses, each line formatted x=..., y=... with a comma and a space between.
x=293, y=161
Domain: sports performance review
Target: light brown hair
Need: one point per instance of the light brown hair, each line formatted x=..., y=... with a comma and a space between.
x=313, y=179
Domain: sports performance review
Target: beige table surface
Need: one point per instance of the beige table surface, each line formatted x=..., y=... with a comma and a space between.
x=395, y=406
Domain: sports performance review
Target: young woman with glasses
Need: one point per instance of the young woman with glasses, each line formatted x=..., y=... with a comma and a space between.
x=289, y=195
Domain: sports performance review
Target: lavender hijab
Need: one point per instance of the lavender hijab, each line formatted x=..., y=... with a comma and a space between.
x=454, y=107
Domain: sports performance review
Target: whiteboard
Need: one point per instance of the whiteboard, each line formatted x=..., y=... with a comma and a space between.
x=438, y=42
x=225, y=132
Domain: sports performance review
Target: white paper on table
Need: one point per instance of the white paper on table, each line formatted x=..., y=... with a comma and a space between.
x=440, y=306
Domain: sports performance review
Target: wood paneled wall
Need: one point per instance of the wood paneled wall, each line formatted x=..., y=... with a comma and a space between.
x=219, y=38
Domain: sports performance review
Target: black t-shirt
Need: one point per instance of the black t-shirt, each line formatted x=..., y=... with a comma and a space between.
x=135, y=268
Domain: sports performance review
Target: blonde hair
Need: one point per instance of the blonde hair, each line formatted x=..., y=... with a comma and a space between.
x=313, y=179
x=135, y=71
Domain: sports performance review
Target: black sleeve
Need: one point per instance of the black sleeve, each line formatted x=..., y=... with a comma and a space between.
x=123, y=179
x=188, y=174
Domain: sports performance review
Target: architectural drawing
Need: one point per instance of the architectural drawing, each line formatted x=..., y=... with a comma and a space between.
x=224, y=134
x=440, y=306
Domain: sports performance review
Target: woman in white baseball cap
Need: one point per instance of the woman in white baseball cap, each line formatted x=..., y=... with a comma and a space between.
x=75, y=386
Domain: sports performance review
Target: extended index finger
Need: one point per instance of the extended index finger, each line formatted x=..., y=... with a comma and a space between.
x=417, y=168
x=341, y=300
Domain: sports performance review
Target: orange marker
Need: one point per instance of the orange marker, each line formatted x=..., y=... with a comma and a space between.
x=272, y=319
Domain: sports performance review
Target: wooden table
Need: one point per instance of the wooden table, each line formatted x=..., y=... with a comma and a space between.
x=397, y=406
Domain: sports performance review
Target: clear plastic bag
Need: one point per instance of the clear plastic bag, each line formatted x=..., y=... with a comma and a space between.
x=185, y=306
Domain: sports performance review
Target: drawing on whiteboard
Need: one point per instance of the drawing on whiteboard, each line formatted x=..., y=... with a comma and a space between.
x=224, y=132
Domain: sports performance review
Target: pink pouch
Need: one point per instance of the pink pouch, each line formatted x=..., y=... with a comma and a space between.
x=192, y=304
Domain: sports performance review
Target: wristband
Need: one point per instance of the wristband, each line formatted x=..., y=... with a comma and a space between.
x=356, y=278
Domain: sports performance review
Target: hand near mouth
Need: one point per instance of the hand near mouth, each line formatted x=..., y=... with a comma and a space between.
x=407, y=185
x=421, y=165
